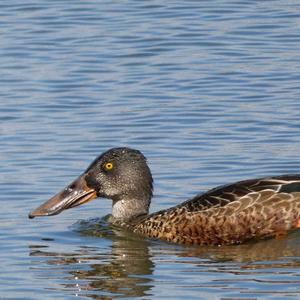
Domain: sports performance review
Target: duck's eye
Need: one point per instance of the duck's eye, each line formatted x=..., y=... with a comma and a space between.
x=108, y=166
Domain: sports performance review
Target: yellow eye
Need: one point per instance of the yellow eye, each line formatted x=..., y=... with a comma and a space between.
x=108, y=166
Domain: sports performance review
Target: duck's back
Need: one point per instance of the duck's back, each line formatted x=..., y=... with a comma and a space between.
x=230, y=214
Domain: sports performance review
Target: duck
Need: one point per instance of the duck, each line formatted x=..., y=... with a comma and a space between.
x=235, y=213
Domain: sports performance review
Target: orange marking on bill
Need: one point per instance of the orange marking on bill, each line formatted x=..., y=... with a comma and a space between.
x=297, y=225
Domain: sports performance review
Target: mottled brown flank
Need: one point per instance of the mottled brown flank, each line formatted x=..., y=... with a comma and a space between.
x=231, y=214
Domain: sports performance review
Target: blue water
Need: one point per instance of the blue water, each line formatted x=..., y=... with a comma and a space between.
x=209, y=91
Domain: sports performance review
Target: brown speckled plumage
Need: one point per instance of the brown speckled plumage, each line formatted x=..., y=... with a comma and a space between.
x=230, y=214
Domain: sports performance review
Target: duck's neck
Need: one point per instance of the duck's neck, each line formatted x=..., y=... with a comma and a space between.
x=129, y=208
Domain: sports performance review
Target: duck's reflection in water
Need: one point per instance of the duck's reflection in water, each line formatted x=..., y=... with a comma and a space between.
x=124, y=268
x=253, y=251
x=124, y=271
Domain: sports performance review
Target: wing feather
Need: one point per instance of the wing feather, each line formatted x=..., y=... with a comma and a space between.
x=230, y=214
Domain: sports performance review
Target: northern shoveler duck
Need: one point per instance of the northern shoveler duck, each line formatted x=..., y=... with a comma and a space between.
x=230, y=214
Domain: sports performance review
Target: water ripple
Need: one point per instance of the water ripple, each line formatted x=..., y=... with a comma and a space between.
x=208, y=90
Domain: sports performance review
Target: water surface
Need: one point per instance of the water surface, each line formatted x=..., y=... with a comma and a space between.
x=207, y=90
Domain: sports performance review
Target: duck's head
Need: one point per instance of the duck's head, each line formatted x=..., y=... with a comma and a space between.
x=120, y=174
